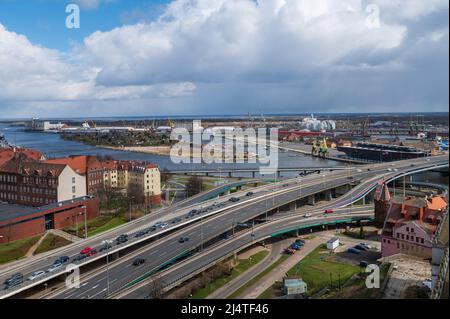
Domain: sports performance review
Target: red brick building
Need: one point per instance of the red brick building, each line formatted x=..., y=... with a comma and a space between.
x=35, y=183
x=7, y=154
x=18, y=222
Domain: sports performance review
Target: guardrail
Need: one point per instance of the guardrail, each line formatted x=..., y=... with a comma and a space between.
x=207, y=264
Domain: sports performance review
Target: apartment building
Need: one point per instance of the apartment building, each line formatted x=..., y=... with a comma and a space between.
x=140, y=176
x=33, y=183
x=88, y=166
x=411, y=224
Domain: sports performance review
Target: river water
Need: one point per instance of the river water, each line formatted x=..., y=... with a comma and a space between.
x=53, y=146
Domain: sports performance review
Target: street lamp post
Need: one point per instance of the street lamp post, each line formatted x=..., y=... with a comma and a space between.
x=107, y=268
x=85, y=222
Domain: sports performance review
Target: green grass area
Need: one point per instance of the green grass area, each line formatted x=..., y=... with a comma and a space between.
x=258, y=277
x=240, y=268
x=272, y=292
x=96, y=226
x=357, y=289
x=16, y=249
x=319, y=267
x=315, y=270
x=51, y=242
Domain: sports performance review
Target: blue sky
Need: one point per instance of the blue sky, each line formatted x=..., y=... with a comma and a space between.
x=194, y=57
x=43, y=21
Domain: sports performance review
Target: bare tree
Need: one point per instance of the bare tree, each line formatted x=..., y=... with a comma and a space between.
x=156, y=288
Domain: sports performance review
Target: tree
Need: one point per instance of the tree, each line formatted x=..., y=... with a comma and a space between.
x=194, y=185
x=156, y=288
x=135, y=193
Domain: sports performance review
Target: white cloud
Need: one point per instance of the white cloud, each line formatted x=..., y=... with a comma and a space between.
x=235, y=53
x=30, y=72
x=217, y=40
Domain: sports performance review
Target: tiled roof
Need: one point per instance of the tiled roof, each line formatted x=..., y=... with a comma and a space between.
x=80, y=164
x=6, y=154
x=32, y=168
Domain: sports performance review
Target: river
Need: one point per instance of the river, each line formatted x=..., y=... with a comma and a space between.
x=53, y=146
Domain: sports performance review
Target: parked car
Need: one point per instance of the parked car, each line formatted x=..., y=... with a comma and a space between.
x=300, y=241
x=295, y=246
x=360, y=247
x=354, y=251
x=54, y=267
x=138, y=261
x=36, y=275
x=289, y=251
x=366, y=245
x=86, y=251
x=363, y=263
x=183, y=239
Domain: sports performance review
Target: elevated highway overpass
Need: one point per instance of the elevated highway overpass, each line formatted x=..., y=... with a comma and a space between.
x=217, y=222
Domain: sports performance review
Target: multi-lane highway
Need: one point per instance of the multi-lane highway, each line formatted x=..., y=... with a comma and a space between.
x=159, y=253
x=218, y=221
x=225, y=248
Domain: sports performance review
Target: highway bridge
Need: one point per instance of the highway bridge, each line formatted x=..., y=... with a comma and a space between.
x=161, y=247
x=254, y=171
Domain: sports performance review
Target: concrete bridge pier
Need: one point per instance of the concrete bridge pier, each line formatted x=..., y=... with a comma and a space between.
x=312, y=200
x=328, y=195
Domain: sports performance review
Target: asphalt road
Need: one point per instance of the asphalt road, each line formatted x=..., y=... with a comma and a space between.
x=167, y=248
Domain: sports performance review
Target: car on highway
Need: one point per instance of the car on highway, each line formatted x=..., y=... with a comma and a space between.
x=92, y=253
x=62, y=260
x=140, y=234
x=307, y=215
x=14, y=277
x=359, y=170
x=54, y=267
x=138, y=261
x=183, y=239
x=328, y=211
x=234, y=199
x=35, y=275
x=79, y=258
x=176, y=220
x=14, y=283
x=105, y=246
x=284, y=185
x=121, y=239
x=192, y=213
x=249, y=194
x=86, y=250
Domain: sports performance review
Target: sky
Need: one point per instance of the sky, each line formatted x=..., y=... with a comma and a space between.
x=219, y=57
